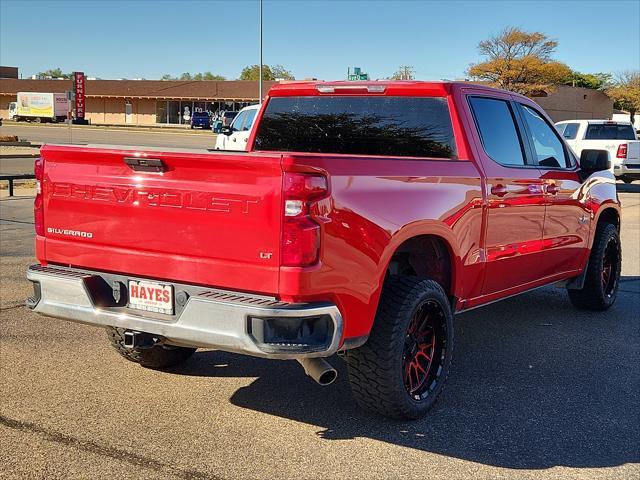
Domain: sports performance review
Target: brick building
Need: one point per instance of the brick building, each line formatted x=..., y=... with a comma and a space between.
x=150, y=102
x=142, y=102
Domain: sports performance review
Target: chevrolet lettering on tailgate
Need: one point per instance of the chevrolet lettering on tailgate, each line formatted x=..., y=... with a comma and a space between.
x=155, y=197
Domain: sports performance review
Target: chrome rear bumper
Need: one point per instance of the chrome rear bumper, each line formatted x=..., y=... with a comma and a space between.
x=209, y=318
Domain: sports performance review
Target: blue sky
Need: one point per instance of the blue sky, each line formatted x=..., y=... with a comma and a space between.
x=117, y=38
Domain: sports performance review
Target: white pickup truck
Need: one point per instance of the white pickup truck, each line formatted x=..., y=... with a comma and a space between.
x=618, y=138
x=236, y=135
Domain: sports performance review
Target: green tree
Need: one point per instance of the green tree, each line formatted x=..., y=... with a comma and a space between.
x=595, y=81
x=278, y=71
x=210, y=76
x=193, y=76
x=520, y=61
x=625, y=92
x=54, y=73
x=252, y=72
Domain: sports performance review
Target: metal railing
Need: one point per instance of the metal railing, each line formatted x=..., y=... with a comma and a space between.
x=15, y=176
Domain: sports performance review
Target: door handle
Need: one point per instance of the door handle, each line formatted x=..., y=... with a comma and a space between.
x=552, y=189
x=499, y=190
x=140, y=164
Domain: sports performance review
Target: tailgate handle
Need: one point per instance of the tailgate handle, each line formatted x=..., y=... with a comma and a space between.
x=145, y=164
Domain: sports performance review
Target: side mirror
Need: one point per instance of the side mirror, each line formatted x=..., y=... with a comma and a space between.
x=226, y=131
x=592, y=161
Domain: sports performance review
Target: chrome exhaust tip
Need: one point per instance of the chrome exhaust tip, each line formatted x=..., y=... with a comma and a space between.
x=319, y=369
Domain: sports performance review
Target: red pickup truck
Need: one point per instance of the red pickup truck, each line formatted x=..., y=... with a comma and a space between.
x=362, y=217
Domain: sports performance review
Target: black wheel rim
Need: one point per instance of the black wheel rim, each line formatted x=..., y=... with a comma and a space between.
x=424, y=350
x=610, y=268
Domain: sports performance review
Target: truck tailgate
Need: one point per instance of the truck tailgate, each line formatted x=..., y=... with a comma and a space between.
x=209, y=218
x=633, y=152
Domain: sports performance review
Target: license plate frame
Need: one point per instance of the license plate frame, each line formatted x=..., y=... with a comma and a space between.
x=162, y=296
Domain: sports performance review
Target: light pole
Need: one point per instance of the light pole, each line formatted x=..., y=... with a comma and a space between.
x=260, y=68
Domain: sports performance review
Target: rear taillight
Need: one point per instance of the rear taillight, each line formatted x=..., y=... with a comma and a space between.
x=300, y=233
x=622, y=151
x=38, y=208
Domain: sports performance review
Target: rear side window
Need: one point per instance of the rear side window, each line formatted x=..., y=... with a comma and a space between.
x=354, y=125
x=497, y=129
x=570, y=131
x=606, y=131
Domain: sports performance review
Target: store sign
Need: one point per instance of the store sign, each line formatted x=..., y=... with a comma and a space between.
x=78, y=87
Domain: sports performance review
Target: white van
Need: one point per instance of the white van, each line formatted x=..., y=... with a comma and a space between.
x=236, y=135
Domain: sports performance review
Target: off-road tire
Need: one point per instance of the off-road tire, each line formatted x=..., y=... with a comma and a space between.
x=594, y=295
x=156, y=357
x=376, y=368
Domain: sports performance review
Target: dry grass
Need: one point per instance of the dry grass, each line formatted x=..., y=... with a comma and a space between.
x=29, y=183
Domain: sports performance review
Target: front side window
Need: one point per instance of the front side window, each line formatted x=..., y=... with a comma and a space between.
x=571, y=131
x=548, y=148
x=251, y=115
x=236, y=126
x=358, y=125
x=497, y=128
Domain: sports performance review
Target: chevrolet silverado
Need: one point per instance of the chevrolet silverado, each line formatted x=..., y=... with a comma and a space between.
x=361, y=218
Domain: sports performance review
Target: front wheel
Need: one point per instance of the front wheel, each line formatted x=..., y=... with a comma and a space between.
x=602, y=278
x=156, y=357
x=401, y=370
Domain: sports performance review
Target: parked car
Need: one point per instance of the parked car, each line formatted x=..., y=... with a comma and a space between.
x=618, y=138
x=363, y=216
x=200, y=119
x=236, y=135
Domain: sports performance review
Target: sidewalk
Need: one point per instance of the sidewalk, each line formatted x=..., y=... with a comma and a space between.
x=170, y=128
x=8, y=151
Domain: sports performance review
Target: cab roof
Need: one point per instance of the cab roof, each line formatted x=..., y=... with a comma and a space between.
x=375, y=87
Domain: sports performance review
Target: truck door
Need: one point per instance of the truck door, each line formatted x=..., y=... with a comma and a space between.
x=515, y=197
x=570, y=134
x=567, y=218
x=242, y=136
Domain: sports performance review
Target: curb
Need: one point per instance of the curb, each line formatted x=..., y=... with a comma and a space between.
x=16, y=144
x=132, y=128
x=19, y=155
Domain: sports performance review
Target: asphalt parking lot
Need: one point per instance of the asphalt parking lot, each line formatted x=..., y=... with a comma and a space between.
x=537, y=389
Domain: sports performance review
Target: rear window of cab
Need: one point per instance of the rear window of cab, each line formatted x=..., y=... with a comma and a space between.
x=358, y=125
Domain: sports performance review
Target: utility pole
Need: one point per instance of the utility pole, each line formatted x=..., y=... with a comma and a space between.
x=405, y=72
x=260, y=69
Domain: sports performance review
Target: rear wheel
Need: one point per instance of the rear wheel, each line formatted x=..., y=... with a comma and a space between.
x=402, y=368
x=157, y=357
x=37, y=120
x=602, y=278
